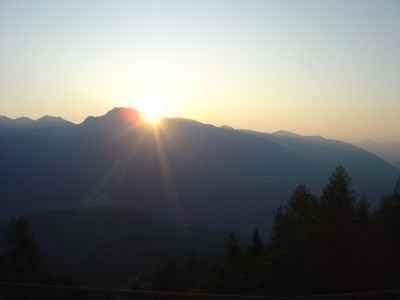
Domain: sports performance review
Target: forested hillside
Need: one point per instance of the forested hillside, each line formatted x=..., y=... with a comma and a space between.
x=319, y=245
x=332, y=243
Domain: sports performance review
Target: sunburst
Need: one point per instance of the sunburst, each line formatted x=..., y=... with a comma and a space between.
x=152, y=117
x=152, y=114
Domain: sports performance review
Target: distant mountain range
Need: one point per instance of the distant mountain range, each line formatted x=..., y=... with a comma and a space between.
x=389, y=151
x=6, y=122
x=182, y=171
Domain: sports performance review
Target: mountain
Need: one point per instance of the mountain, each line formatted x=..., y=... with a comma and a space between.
x=108, y=247
x=25, y=126
x=52, y=121
x=287, y=133
x=6, y=122
x=181, y=171
x=389, y=151
x=364, y=167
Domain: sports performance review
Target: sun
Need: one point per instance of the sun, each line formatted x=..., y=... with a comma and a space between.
x=152, y=113
x=152, y=117
x=153, y=109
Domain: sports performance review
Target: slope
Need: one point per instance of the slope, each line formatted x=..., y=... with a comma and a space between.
x=372, y=176
x=107, y=247
x=182, y=171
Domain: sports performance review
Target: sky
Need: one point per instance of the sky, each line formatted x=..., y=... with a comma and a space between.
x=317, y=67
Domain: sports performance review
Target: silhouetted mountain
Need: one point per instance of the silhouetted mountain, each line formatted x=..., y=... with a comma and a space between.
x=227, y=127
x=182, y=171
x=389, y=151
x=7, y=123
x=23, y=121
x=286, y=133
x=365, y=168
x=53, y=121
x=116, y=117
x=103, y=246
x=295, y=135
x=25, y=126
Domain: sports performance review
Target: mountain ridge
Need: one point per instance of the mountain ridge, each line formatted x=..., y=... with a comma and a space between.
x=182, y=171
x=7, y=123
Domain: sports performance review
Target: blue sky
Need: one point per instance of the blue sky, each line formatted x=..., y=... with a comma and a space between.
x=329, y=68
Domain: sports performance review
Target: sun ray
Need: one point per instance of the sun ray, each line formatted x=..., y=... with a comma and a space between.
x=167, y=179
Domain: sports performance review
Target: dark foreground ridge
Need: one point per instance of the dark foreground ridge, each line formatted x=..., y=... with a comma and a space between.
x=35, y=291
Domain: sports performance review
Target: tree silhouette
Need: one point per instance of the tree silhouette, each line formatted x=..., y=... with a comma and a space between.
x=257, y=266
x=195, y=273
x=256, y=244
x=168, y=278
x=341, y=216
x=232, y=248
x=231, y=273
x=318, y=245
x=296, y=218
x=388, y=238
x=22, y=261
x=292, y=243
x=338, y=199
x=389, y=211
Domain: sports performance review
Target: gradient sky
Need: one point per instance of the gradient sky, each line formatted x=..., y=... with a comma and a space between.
x=329, y=68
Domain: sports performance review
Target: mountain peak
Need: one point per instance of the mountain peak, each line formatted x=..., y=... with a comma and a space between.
x=227, y=127
x=23, y=121
x=5, y=118
x=50, y=120
x=286, y=133
x=117, y=116
x=122, y=110
x=6, y=122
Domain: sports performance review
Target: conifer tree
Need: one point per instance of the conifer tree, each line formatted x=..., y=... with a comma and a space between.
x=22, y=261
x=256, y=244
x=231, y=273
x=339, y=234
x=297, y=217
x=232, y=248
x=388, y=239
x=338, y=199
x=291, y=243
x=168, y=278
x=389, y=210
